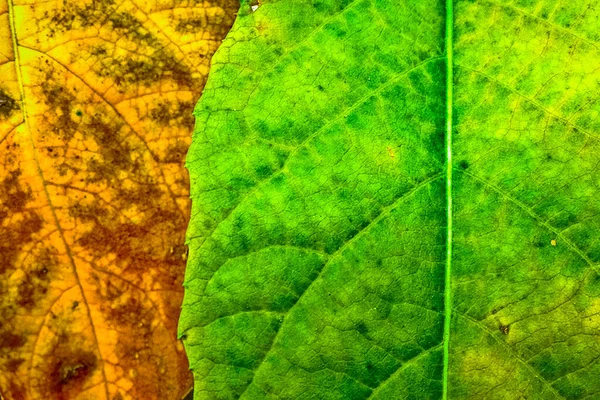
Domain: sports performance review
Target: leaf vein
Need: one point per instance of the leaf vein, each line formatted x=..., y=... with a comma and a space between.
x=539, y=219
x=282, y=168
x=384, y=212
x=511, y=350
x=531, y=100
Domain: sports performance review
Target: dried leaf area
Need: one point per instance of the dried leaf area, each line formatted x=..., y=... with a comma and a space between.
x=96, y=101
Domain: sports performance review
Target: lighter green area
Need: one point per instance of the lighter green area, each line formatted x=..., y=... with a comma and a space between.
x=398, y=200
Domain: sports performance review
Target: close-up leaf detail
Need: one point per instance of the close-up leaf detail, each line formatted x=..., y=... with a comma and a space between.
x=397, y=199
x=96, y=101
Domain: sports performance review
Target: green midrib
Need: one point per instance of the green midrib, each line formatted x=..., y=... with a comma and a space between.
x=448, y=269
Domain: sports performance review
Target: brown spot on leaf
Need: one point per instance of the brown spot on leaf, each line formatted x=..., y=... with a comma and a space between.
x=69, y=371
x=505, y=329
x=7, y=105
x=13, y=364
x=10, y=340
x=173, y=113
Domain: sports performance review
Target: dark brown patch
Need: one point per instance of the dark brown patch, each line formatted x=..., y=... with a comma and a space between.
x=175, y=113
x=60, y=102
x=137, y=68
x=35, y=285
x=16, y=391
x=145, y=70
x=8, y=105
x=68, y=371
x=14, y=196
x=9, y=340
x=74, y=15
x=13, y=364
x=505, y=329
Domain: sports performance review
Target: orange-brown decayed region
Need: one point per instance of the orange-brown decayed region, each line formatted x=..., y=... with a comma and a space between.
x=96, y=101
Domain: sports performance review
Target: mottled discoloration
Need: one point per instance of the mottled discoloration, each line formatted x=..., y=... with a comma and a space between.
x=13, y=201
x=94, y=197
x=177, y=113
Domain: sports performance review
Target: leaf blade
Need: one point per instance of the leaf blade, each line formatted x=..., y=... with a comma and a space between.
x=523, y=182
x=95, y=200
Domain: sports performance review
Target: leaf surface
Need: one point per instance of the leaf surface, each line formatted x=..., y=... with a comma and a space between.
x=330, y=140
x=95, y=113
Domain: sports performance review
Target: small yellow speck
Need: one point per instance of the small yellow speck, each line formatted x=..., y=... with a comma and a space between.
x=391, y=152
x=553, y=242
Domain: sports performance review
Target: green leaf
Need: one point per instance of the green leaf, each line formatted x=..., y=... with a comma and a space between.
x=330, y=140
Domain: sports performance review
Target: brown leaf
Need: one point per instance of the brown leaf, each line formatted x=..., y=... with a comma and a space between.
x=95, y=118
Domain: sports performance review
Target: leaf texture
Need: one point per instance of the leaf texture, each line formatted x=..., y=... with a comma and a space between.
x=324, y=261
x=95, y=113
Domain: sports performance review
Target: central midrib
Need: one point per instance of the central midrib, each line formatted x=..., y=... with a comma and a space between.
x=448, y=269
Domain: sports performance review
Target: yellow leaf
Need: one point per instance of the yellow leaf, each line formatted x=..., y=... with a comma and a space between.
x=96, y=101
